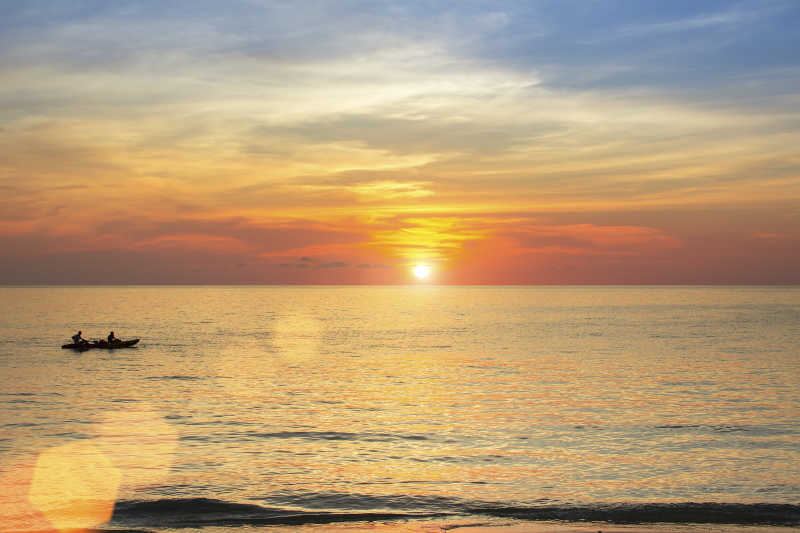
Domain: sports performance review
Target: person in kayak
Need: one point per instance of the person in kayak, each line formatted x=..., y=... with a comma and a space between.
x=77, y=339
x=111, y=338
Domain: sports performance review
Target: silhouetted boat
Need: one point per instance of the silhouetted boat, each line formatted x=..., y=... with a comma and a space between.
x=105, y=345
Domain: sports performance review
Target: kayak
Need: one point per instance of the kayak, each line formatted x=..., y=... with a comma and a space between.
x=101, y=344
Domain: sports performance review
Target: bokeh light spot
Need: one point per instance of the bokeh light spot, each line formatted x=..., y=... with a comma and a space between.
x=74, y=486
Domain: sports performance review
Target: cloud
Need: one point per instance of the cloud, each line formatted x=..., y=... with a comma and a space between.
x=381, y=133
x=421, y=114
x=250, y=235
x=310, y=262
x=591, y=239
x=366, y=265
x=239, y=236
x=720, y=19
x=437, y=132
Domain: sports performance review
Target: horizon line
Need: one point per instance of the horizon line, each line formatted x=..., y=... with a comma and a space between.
x=400, y=285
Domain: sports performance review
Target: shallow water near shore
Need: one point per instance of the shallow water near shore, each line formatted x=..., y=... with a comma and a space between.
x=262, y=406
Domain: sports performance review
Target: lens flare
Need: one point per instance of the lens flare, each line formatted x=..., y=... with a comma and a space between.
x=74, y=486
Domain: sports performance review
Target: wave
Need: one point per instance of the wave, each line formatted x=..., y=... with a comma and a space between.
x=312, y=435
x=702, y=513
x=201, y=512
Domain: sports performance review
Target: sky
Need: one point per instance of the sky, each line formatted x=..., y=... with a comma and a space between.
x=345, y=142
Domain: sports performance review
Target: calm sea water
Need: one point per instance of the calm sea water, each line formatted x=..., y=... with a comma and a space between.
x=246, y=405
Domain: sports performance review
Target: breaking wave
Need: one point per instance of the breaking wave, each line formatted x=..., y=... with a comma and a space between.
x=201, y=512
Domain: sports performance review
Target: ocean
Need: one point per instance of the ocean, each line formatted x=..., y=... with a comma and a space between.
x=275, y=407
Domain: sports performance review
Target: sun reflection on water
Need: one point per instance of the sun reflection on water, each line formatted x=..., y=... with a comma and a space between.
x=139, y=442
x=297, y=337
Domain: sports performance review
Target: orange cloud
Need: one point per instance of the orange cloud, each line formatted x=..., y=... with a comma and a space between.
x=591, y=239
x=426, y=239
x=512, y=247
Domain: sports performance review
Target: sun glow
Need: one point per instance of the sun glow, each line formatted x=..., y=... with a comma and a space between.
x=422, y=271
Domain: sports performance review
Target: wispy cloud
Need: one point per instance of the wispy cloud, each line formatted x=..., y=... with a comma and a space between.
x=728, y=19
x=375, y=134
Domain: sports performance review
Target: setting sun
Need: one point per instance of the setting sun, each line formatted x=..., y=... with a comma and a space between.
x=422, y=271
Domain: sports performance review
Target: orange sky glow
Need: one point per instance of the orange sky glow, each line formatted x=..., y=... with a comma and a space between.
x=499, y=145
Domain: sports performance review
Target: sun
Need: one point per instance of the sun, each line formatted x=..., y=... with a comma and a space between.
x=422, y=271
